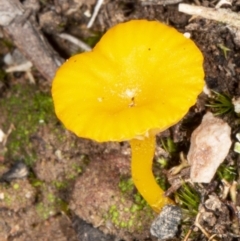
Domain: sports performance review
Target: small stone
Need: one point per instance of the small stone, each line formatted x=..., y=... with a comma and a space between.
x=1, y=196
x=165, y=226
x=58, y=154
x=8, y=59
x=18, y=171
x=28, y=195
x=210, y=144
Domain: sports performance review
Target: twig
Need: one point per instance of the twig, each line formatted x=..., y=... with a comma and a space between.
x=226, y=188
x=160, y=2
x=187, y=235
x=222, y=2
x=75, y=41
x=20, y=68
x=10, y=129
x=95, y=13
x=30, y=77
x=197, y=224
x=25, y=67
x=233, y=192
x=27, y=37
x=220, y=15
x=176, y=169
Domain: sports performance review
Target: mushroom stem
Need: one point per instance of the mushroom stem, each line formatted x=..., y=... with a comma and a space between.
x=143, y=178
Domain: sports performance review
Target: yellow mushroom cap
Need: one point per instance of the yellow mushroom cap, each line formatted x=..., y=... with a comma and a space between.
x=142, y=77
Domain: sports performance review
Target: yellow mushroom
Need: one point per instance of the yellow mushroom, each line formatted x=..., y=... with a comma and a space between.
x=140, y=79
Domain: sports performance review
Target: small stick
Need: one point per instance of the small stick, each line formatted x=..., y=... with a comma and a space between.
x=27, y=37
x=75, y=41
x=212, y=237
x=20, y=68
x=222, y=2
x=226, y=188
x=30, y=77
x=25, y=67
x=176, y=169
x=233, y=192
x=10, y=129
x=188, y=234
x=95, y=13
x=220, y=15
x=197, y=224
x=160, y=2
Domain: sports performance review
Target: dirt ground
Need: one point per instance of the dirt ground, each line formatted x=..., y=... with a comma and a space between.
x=76, y=189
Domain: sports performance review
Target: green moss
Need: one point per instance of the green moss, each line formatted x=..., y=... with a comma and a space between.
x=63, y=206
x=126, y=185
x=71, y=176
x=112, y=209
x=126, y=216
x=134, y=208
x=8, y=200
x=51, y=198
x=123, y=224
x=77, y=168
x=130, y=223
x=130, y=218
x=163, y=162
x=27, y=109
x=43, y=211
x=126, y=210
x=51, y=206
x=16, y=186
x=36, y=182
x=60, y=184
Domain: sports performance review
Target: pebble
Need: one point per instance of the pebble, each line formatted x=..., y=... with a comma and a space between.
x=210, y=144
x=1, y=196
x=165, y=226
x=18, y=170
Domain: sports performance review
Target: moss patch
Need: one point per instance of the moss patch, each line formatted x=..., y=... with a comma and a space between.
x=129, y=215
x=27, y=109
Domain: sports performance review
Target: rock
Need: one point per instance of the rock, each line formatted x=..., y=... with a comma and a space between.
x=210, y=144
x=165, y=226
x=86, y=232
x=18, y=171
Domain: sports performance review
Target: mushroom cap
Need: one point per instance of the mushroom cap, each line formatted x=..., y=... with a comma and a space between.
x=141, y=78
